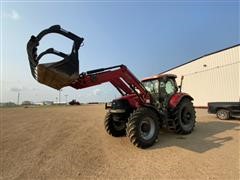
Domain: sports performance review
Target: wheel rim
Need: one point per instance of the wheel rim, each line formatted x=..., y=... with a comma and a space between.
x=186, y=116
x=147, y=128
x=222, y=114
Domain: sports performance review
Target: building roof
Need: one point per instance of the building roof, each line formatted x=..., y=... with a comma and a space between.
x=159, y=76
x=201, y=57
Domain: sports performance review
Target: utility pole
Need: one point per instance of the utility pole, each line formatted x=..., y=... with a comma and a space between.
x=18, y=97
x=59, y=96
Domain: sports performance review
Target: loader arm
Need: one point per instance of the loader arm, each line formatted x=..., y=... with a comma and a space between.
x=119, y=76
x=66, y=72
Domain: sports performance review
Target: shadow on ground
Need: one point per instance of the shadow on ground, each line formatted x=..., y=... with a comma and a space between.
x=203, y=138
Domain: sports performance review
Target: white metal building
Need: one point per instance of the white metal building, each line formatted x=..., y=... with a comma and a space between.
x=212, y=77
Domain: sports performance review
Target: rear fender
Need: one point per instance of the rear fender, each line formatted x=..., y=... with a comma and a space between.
x=176, y=99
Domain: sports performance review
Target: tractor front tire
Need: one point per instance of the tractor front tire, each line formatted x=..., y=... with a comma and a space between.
x=184, y=117
x=114, y=128
x=143, y=127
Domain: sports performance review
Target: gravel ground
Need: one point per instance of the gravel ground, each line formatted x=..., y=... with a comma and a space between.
x=71, y=143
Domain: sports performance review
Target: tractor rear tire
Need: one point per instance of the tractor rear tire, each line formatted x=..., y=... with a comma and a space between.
x=184, y=117
x=143, y=127
x=114, y=128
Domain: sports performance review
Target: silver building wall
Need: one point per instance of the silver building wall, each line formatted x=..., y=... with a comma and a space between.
x=214, y=77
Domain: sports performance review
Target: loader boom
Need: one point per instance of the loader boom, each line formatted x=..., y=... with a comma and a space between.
x=119, y=76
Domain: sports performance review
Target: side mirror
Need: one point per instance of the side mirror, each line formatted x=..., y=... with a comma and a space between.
x=180, y=86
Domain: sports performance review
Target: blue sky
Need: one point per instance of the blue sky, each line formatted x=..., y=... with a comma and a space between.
x=148, y=37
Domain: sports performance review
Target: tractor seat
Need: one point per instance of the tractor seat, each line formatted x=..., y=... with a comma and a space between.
x=57, y=74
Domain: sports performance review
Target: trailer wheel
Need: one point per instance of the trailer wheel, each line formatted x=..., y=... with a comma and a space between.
x=143, y=127
x=184, y=117
x=223, y=114
x=114, y=128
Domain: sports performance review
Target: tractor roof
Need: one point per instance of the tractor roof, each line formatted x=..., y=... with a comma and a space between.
x=159, y=76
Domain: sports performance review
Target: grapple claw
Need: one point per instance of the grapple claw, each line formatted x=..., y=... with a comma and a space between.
x=57, y=74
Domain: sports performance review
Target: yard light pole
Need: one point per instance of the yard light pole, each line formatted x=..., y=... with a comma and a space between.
x=18, y=97
x=59, y=96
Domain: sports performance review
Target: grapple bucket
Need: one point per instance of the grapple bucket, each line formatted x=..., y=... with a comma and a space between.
x=57, y=74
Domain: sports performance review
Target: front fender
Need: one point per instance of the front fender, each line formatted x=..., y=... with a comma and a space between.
x=176, y=98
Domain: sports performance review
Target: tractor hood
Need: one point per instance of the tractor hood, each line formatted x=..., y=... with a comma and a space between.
x=132, y=99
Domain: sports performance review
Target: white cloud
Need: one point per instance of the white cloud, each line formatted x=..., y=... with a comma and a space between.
x=16, y=89
x=97, y=92
x=13, y=15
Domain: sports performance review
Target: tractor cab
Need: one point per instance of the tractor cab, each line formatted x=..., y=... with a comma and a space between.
x=161, y=87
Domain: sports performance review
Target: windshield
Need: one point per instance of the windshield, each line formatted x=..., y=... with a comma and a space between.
x=152, y=86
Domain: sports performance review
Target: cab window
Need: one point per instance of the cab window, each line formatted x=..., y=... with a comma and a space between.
x=170, y=87
x=152, y=86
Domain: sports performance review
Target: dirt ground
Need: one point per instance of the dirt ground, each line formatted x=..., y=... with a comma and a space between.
x=71, y=143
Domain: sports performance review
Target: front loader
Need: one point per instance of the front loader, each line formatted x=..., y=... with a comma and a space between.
x=144, y=107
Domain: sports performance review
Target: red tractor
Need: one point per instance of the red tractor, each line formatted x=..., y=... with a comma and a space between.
x=142, y=110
